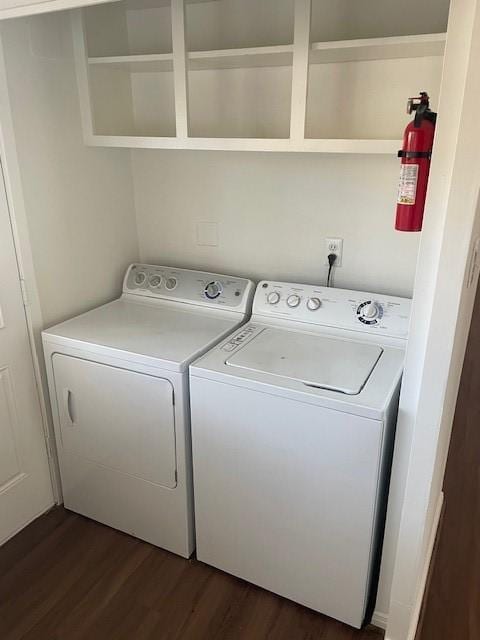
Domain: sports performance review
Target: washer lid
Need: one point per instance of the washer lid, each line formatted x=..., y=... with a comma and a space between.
x=317, y=361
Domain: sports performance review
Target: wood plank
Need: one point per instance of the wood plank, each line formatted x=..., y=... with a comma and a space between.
x=24, y=543
x=70, y=577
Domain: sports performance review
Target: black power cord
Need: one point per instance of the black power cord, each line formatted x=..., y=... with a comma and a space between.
x=331, y=261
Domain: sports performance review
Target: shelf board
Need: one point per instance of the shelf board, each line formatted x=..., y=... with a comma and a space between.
x=155, y=4
x=276, y=56
x=137, y=63
x=273, y=56
x=430, y=44
x=386, y=147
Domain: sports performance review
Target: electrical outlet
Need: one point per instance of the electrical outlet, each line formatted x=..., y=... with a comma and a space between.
x=334, y=245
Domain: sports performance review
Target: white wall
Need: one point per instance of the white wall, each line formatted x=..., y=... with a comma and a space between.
x=78, y=201
x=273, y=213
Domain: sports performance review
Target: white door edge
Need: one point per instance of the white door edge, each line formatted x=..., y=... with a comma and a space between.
x=21, y=239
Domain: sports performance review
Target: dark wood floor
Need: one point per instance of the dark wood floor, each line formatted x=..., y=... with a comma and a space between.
x=68, y=578
x=452, y=604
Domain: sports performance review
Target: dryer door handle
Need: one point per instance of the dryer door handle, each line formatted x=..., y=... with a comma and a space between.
x=68, y=399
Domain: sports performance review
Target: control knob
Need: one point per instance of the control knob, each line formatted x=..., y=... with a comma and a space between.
x=155, y=281
x=171, y=283
x=273, y=297
x=213, y=290
x=140, y=278
x=369, y=311
x=313, y=304
x=293, y=301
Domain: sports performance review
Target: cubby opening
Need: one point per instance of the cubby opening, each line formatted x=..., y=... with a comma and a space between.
x=365, y=99
x=131, y=27
x=366, y=60
x=235, y=24
x=132, y=102
x=130, y=68
x=353, y=19
x=249, y=102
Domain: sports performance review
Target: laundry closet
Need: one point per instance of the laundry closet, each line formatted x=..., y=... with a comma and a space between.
x=228, y=136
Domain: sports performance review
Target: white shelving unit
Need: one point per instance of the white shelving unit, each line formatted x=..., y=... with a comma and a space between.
x=157, y=74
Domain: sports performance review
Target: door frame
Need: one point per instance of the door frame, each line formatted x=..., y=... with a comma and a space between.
x=444, y=294
x=25, y=265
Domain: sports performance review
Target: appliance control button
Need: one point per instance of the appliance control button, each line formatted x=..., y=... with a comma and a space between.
x=171, y=283
x=155, y=281
x=273, y=297
x=293, y=300
x=140, y=278
x=370, y=311
x=313, y=304
x=213, y=290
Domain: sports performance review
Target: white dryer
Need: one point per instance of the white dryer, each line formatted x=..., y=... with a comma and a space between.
x=118, y=380
x=293, y=422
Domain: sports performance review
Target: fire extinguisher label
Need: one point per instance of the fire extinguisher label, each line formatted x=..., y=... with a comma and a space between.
x=407, y=188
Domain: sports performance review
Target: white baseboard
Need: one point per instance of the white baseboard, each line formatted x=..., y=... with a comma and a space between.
x=426, y=567
x=380, y=619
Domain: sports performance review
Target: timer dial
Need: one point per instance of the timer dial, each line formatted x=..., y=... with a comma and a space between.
x=213, y=290
x=369, y=312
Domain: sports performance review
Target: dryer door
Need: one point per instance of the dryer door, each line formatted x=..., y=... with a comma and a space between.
x=119, y=419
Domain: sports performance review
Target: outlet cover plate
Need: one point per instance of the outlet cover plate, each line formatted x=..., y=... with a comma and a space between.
x=334, y=245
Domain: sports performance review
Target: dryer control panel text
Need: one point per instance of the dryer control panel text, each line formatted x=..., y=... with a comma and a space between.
x=184, y=285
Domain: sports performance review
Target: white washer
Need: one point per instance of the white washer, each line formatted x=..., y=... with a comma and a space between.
x=118, y=380
x=293, y=422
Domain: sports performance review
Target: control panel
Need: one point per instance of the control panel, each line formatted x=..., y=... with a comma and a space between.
x=340, y=308
x=185, y=285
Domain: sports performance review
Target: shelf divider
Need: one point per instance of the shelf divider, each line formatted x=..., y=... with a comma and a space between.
x=301, y=52
x=82, y=71
x=180, y=68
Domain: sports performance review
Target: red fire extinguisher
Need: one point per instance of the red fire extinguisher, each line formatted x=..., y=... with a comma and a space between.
x=416, y=156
